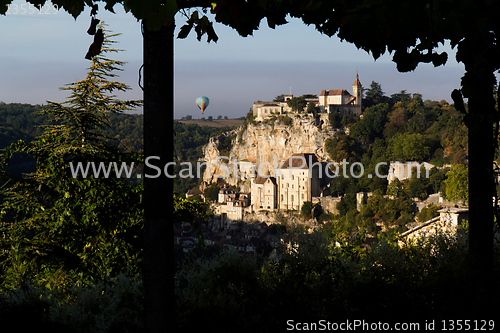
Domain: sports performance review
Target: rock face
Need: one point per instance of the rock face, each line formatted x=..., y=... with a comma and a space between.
x=265, y=145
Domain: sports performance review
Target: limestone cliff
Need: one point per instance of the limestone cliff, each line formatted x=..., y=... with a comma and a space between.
x=273, y=141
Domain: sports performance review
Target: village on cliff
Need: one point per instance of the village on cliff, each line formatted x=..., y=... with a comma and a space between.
x=300, y=177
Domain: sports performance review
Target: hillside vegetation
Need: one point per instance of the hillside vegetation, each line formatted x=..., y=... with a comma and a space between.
x=125, y=131
x=402, y=128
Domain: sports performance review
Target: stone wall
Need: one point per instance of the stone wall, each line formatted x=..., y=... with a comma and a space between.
x=329, y=204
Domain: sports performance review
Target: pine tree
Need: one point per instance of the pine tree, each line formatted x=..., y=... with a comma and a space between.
x=58, y=227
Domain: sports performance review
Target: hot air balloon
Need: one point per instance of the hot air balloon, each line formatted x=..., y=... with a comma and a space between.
x=202, y=103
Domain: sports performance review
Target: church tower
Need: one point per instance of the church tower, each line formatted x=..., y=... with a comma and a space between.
x=356, y=90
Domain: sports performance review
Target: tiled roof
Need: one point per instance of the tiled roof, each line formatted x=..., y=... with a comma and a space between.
x=335, y=92
x=262, y=180
x=194, y=191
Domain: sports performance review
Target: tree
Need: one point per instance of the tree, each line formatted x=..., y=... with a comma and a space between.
x=72, y=227
x=395, y=188
x=428, y=213
x=457, y=183
x=279, y=98
x=401, y=96
x=306, y=208
x=212, y=192
x=371, y=126
x=408, y=147
x=311, y=108
x=297, y=103
x=374, y=95
x=226, y=118
x=334, y=119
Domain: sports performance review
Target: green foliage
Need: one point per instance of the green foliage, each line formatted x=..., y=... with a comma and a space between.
x=64, y=227
x=188, y=147
x=110, y=306
x=417, y=188
x=250, y=119
x=212, y=192
x=204, y=287
x=408, y=147
x=373, y=95
x=279, y=98
x=419, y=185
x=457, y=183
x=342, y=147
x=371, y=126
x=393, y=212
x=201, y=25
x=334, y=119
x=285, y=120
x=306, y=208
x=297, y=103
x=428, y=212
x=317, y=276
x=226, y=144
x=311, y=108
x=191, y=210
x=346, y=204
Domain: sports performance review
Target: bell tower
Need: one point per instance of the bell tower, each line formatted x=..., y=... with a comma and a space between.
x=356, y=90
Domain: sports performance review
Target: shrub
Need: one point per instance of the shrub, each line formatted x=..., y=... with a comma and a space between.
x=428, y=213
x=285, y=120
x=306, y=209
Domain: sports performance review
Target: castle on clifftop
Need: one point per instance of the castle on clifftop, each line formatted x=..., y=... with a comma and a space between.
x=329, y=101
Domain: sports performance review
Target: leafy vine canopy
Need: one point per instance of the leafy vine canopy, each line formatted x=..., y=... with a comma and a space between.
x=411, y=30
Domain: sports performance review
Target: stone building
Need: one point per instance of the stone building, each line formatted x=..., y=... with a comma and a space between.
x=298, y=181
x=403, y=170
x=231, y=205
x=447, y=222
x=264, y=193
x=226, y=194
x=329, y=101
x=340, y=100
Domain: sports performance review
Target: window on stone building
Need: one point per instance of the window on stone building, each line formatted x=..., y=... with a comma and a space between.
x=292, y=197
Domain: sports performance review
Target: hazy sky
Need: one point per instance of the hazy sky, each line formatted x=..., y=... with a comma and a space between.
x=42, y=52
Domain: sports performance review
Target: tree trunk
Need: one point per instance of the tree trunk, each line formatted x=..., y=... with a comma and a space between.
x=478, y=86
x=158, y=267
